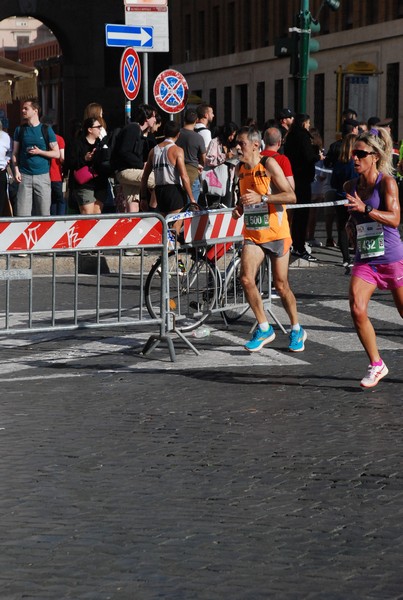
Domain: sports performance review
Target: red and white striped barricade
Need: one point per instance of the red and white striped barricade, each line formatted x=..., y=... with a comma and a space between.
x=83, y=233
x=212, y=227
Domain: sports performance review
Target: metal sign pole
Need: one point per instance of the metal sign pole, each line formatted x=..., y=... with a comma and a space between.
x=145, y=77
x=128, y=111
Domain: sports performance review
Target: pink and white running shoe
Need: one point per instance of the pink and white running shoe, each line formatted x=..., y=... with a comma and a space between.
x=374, y=375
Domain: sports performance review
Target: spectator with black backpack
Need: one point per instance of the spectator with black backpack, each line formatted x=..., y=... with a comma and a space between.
x=34, y=146
x=130, y=154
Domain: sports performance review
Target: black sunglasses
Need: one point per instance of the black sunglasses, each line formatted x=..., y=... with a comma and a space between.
x=361, y=153
x=96, y=127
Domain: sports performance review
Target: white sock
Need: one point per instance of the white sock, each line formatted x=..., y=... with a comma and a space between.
x=296, y=327
x=264, y=326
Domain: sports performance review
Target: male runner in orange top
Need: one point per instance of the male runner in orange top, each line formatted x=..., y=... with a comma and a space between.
x=266, y=232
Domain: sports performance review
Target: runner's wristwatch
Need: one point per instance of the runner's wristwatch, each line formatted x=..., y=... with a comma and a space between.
x=368, y=209
x=265, y=198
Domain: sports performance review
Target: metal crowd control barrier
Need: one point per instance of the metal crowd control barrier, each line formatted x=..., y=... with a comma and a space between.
x=32, y=302
x=210, y=261
x=174, y=289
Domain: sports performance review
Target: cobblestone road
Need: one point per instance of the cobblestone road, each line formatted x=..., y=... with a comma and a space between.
x=213, y=478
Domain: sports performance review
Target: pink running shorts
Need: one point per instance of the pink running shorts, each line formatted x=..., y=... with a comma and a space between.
x=385, y=277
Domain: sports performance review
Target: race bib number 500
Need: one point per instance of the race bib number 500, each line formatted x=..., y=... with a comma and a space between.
x=256, y=216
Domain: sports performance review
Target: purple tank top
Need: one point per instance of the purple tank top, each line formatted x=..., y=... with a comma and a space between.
x=393, y=243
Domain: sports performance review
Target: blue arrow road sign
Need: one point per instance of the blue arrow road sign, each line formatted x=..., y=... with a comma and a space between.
x=129, y=35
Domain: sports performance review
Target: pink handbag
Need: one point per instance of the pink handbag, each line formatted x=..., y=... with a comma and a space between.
x=84, y=175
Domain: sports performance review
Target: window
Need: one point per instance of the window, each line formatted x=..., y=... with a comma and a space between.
x=349, y=14
x=215, y=46
x=372, y=11
x=241, y=101
x=265, y=24
x=231, y=28
x=260, y=103
x=319, y=102
x=213, y=101
x=22, y=40
x=198, y=93
x=247, y=26
x=201, y=26
x=392, y=96
x=227, y=104
x=187, y=38
x=278, y=96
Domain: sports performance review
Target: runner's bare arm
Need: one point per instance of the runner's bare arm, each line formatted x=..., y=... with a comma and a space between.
x=390, y=195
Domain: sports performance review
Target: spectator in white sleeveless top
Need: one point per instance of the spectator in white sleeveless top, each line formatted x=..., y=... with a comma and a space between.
x=172, y=184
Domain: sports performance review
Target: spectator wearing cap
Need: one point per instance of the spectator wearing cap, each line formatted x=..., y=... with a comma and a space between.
x=285, y=120
x=348, y=113
x=349, y=126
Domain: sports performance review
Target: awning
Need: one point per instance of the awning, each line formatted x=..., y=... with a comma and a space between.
x=17, y=81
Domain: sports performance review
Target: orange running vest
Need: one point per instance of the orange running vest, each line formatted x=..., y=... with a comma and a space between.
x=263, y=222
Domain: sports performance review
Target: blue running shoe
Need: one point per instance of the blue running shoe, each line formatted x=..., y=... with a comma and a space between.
x=260, y=338
x=297, y=339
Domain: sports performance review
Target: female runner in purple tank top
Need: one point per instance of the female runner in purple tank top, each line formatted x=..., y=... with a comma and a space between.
x=373, y=203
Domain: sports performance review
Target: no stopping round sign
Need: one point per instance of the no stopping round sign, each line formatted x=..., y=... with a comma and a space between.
x=130, y=74
x=171, y=91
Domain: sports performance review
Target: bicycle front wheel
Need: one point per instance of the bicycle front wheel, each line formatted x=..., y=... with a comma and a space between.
x=192, y=289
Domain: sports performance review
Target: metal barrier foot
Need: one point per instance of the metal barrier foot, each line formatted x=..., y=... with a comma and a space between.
x=188, y=342
x=154, y=340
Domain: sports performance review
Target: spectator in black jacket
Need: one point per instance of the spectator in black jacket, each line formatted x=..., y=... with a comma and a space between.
x=130, y=155
x=303, y=156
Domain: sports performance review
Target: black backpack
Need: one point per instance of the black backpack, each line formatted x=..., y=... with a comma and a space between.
x=103, y=161
x=136, y=144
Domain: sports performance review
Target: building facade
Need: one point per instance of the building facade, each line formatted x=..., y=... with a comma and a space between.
x=29, y=42
x=88, y=71
x=226, y=51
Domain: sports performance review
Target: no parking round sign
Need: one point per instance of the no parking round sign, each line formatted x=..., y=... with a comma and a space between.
x=130, y=74
x=171, y=91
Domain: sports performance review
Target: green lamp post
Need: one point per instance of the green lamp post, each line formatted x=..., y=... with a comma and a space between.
x=306, y=25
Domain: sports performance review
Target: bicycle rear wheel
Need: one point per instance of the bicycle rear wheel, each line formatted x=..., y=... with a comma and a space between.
x=192, y=289
x=233, y=294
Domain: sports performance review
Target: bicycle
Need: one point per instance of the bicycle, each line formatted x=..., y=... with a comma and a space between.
x=198, y=286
